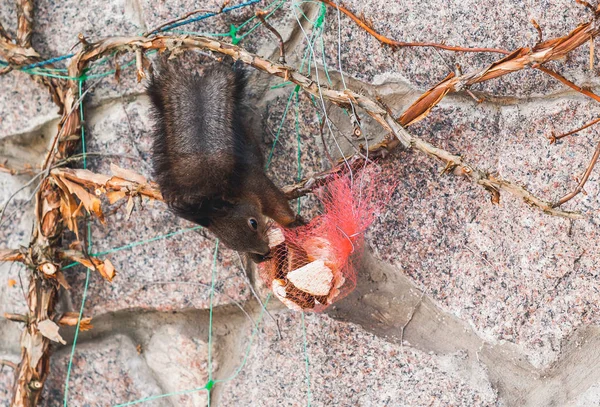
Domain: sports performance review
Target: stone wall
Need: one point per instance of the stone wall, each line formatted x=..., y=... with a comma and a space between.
x=459, y=301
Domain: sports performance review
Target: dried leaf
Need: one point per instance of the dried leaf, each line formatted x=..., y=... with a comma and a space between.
x=105, y=268
x=129, y=209
x=90, y=201
x=128, y=174
x=71, y=318
x=49, y=220
x=115, y=196
x=82, y=176
x=34, y=346
x=428, y=100
x=50, y=330
x=108, y=271
x=60, y=277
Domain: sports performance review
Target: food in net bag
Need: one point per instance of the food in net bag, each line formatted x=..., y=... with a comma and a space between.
x=312, y=266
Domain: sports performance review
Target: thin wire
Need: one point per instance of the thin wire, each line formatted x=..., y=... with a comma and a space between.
x=134, y=244
x=205, y=16
x=248, y=348
x=87, y=274
x=294, y=7
x=287, y=106
x=160, y=396
x=306, y=362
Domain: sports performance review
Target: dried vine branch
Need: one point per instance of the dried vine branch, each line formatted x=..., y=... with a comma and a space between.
x=543, y=52
x=399, y=44
x=21, y=54
x=553, y=138
x=25, y=22
x=519, y=59
x=584, y=179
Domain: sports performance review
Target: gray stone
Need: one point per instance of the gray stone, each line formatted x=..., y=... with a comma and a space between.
x=466, y=303
x=180, y=361
x=26, y=106
x=57, y=24
x=108, y=372
x=6, y=379
x=8, y=17
x=347, y=366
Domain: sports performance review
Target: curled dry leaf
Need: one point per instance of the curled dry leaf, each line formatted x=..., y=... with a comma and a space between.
x=11, y=255
x=105, y=268
x=50, y=212
x=60, y=277
x=34, y=344
x=50, y=330
x=71, y=318
x=90, y=201
x=115, y=196
x=128, y=174
x=82, y=176
x=130, y=206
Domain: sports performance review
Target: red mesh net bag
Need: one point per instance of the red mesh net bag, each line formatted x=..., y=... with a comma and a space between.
x=311, y=266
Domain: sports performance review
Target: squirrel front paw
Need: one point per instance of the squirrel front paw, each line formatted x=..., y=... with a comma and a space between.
x=298, y=221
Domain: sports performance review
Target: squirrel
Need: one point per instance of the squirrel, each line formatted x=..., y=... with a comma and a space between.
x=207, y=163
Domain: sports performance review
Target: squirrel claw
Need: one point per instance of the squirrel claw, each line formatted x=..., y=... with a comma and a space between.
x=299, y=221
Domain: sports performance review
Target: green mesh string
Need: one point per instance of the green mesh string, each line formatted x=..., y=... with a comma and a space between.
x=89, y=248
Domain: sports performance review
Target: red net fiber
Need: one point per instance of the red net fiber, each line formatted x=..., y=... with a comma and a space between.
x=311, y=266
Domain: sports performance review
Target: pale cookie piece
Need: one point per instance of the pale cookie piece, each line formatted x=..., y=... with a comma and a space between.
x=275, y=237
x=315, y=278
x=318, y=248
x=278, y=287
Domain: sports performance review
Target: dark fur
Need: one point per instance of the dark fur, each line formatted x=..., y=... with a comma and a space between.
x=208, y=165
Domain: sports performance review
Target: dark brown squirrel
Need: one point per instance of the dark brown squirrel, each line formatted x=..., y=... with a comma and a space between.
x=207, y=163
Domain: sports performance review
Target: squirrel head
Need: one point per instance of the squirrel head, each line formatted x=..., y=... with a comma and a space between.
x=240, y=226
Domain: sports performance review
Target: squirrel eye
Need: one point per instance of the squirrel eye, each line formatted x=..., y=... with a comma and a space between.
x=253, y=223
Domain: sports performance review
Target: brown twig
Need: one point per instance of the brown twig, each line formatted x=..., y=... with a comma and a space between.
x=569, y=83
x=16, y=317
x=586, y=175
x=553, y=138
x=261, y=16
x=398, y=44
x=4, y=362
x=3, y=34
x=519, y=59
x=538, y=29
x=13, y=171
x=25, y=25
